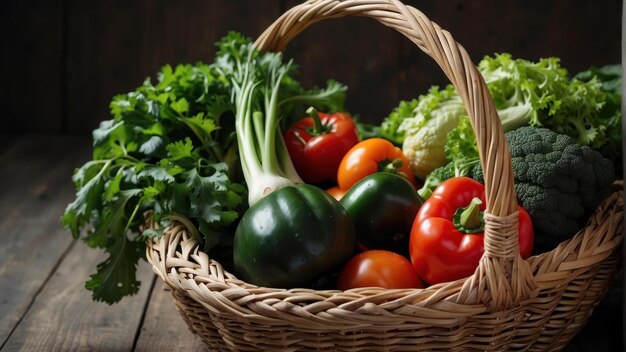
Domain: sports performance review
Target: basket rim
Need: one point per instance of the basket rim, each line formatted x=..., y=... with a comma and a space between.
x=195, y=273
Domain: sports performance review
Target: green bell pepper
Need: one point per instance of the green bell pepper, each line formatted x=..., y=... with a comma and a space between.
x=291, y=237
x=382, y=207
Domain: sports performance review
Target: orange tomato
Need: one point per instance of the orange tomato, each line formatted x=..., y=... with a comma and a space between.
x=371, y=156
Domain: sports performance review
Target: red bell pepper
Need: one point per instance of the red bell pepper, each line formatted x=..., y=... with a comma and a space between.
x=447, y=237
x=317, y=144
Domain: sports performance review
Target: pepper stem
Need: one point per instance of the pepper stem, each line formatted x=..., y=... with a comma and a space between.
x=470, y=218
x=390, y=165
x=318, y=127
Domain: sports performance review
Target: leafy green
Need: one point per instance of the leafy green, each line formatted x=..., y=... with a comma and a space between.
x=121, y=189
x=610, y=78
x=294, y=99
x=461, y=143
x=390, y=127
x=462, y=152
x=525, y=93
x=263, y=91
x=170, y=151
x=436, y=114
x=544, y=94
x=113, y=280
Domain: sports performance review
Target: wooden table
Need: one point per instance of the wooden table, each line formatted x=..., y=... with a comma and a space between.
x=43, y=303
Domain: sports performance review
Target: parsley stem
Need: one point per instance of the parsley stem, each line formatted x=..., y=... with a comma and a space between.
x=129, y=157
x=132, y=216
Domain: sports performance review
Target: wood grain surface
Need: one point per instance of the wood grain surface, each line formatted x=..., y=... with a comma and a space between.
x=32, y=243
x=163, y=328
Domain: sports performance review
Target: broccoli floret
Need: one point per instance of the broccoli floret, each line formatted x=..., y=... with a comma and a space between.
x=433, y=180
x=558, y=181
x=459, y=167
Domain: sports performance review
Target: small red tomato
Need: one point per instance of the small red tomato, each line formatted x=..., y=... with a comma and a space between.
x=317, y=144
x=378, y=268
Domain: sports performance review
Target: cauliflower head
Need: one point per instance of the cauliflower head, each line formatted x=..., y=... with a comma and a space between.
x=426, y=133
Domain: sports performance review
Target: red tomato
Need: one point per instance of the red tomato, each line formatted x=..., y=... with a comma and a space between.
x=317, y=144
x=378, y=268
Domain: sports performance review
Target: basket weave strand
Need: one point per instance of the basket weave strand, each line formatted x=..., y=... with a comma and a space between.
x=508, y=304
x=230, y=314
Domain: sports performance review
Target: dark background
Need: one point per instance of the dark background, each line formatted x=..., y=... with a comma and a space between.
x=61, y=61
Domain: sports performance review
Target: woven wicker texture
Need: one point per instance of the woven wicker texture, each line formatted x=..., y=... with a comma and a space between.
x=509, y=303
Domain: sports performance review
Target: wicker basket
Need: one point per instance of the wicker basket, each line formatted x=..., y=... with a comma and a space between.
x=508, y=304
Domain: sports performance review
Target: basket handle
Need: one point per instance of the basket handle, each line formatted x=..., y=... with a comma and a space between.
x=503, y=278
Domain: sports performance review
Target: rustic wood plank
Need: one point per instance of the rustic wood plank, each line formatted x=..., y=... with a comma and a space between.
x=163, y=328
x=36, y=175
x=36, y=166
x=64, y=317
x=31, y=66
x=53, y=303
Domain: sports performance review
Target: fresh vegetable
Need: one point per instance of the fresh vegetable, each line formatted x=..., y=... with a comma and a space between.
x=291, y=237
x=261, y=85
x=447, y=237
x=371, y=156
x=390, y=126
x=524, y=93
x=543, y=94
x=462, y=152
x=382, y=207
x=425, y=132
x=378, y=268
x=317, y=144
x=264, y=158
x=293, y=232
x=366, y=130
x=556, y=180
x=610, y=78
x=170, y=149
